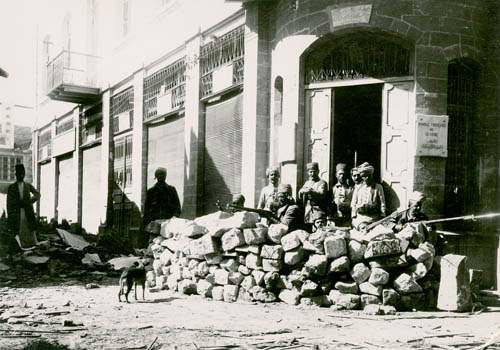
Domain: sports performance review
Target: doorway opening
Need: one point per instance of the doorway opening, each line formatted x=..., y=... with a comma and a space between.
x=357, y=127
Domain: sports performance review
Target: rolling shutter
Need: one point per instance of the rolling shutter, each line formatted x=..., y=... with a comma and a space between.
x=47, y=183
x=67, y=198
x=222, y=155
x=93, y=200
x=166, y=149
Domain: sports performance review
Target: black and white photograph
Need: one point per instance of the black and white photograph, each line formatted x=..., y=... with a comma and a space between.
x=249, y=174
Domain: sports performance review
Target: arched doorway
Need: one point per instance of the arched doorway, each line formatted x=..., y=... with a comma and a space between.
x=359, y=105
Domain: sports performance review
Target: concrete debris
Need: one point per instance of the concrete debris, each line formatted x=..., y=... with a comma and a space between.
x=74, y=241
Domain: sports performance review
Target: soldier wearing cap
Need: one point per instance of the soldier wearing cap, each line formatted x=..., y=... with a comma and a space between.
x=162, y=201
x=21, y=216
x=318, y=218
x=342, y=195
x=356, y=177
x=314, y=194
x=286, y=210
x=268, y=193
x=368, y=200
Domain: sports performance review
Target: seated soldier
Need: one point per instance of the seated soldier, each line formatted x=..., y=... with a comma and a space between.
x=318, y=218
x=286, y=210
x=413, y=214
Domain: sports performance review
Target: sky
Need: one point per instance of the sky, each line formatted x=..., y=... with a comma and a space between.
x=18, y=51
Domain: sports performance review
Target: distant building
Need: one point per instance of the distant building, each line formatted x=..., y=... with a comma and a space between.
x=217, y=91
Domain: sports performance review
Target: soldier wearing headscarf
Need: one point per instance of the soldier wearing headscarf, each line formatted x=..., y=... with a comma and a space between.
x=286, y=210
x=268, y=193
x=368, y=200
x=342, y=195
x=413, y=214
x=314, y=194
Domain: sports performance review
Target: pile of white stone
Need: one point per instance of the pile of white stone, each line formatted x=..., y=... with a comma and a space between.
x=236, y=257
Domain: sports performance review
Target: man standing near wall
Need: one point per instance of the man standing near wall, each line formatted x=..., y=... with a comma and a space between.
x=313, y=195
x=21, y=216
x=342, y=195
x=162, y=201
x=368, y=200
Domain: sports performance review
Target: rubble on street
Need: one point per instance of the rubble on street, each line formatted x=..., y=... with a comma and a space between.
x=62, y=256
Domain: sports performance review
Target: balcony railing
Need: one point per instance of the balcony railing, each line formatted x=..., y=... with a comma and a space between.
x=73, y=77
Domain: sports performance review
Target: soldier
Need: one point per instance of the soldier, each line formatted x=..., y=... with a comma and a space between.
x=342, y=195
x=313, y=195
x=269, y=192
x=319, y=220
x=413, y=214
x=356, y=178
x=368, y=200
x=286, y=210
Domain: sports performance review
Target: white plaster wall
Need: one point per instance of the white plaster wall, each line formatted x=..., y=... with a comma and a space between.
x=286, y=63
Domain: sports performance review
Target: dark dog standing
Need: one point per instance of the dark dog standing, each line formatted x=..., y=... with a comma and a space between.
x=132, y=276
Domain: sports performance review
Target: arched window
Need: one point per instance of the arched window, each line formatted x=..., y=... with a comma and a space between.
x=278, y=116
x=356, y=56
x=461, y=181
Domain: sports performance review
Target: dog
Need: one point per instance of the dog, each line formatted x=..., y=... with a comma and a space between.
x=132, y=276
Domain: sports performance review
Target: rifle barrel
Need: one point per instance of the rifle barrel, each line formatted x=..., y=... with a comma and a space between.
x=465, y=217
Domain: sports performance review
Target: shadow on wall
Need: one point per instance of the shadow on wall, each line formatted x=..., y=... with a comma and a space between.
x=392, y=201
x=215, y=186
x=126, y=218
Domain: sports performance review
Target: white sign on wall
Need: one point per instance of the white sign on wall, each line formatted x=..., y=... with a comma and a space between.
x=222, y=78
x=432, y=135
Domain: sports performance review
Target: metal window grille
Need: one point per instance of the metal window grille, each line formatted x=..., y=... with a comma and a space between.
x=169, y=79
x=64, y=126
x=121, y=103
x=229, y=48
x=358, y=57
x=461, y=187
x=122, y=164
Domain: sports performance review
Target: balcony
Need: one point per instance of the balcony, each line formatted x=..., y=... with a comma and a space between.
x=73, y=77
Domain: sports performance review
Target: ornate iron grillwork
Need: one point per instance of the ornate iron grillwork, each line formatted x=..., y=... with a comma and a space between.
x=238, y=69
x=169, y=79
x=64, y=126
x=229, y=48
x=121, y=103
x=44, y=145
x=357, y=58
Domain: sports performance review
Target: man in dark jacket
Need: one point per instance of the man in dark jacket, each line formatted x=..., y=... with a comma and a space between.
x=21, y=216
x=162, y=201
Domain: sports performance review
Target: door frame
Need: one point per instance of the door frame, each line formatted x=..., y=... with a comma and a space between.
x=308, y=89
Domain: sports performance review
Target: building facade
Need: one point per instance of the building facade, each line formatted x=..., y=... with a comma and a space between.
x=409, y=86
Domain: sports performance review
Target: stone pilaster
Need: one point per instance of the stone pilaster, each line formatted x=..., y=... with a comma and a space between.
x=256, y=103
x=193, y=134
x=137, y=137
x=106, y=159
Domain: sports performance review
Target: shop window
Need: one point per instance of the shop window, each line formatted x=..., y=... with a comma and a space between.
x=461, y=185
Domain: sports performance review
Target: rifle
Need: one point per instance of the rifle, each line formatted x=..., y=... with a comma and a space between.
x=465, y=217
x=262, y=212
x=391, y=216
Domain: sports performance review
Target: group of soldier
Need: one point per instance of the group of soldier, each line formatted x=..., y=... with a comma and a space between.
x=355, y=200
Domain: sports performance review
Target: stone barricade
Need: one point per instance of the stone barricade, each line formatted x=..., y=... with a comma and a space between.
x=237, y=257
